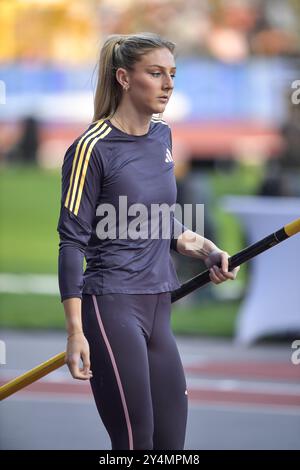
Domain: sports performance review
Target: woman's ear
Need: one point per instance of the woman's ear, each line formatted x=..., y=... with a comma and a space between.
x=122, y=78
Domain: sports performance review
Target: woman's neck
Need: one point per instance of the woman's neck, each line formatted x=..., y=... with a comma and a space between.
x=130, y=121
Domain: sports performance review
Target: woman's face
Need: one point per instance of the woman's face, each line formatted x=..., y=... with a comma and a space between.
x=152, y=81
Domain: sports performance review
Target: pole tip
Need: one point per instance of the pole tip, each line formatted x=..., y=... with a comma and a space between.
x=292, y=228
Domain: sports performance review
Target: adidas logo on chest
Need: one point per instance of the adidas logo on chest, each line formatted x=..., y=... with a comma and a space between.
x=168, y=157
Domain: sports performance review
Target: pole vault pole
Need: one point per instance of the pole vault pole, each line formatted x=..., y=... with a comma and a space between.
x=240, y=258
x=186, y=288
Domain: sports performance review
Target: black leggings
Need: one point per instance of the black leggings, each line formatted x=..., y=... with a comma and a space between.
x=138, y=380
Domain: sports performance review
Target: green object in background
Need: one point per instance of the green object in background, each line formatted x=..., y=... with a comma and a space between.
x=31, y=311
x=29, y=208
x=207, y=319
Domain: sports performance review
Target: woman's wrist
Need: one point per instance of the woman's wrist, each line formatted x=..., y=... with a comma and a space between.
x=209, y=247
x=75, y=333
x=72, y=307
x=194, y=245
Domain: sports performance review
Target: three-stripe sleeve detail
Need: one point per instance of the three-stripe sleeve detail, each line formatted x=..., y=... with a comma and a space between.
x=80, y=164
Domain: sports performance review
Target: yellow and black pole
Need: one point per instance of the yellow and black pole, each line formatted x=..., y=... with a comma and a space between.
x=240, y=258
x=198, y=281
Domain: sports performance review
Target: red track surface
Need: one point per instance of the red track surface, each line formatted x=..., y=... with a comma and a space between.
x=267, y=371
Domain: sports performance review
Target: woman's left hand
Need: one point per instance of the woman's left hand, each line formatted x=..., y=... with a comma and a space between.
x=216, y=274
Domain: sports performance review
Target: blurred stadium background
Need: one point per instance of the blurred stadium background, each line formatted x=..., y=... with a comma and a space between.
x=231, y=105
x=236, y=130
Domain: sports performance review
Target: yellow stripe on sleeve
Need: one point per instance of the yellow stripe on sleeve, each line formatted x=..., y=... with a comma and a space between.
x=80, y=163
x=85, y=166
x=92, y=130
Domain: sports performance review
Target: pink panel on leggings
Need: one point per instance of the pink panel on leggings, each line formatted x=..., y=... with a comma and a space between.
x=112, y=358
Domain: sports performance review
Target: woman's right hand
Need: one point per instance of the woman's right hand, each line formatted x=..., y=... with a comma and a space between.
x=78, y=348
